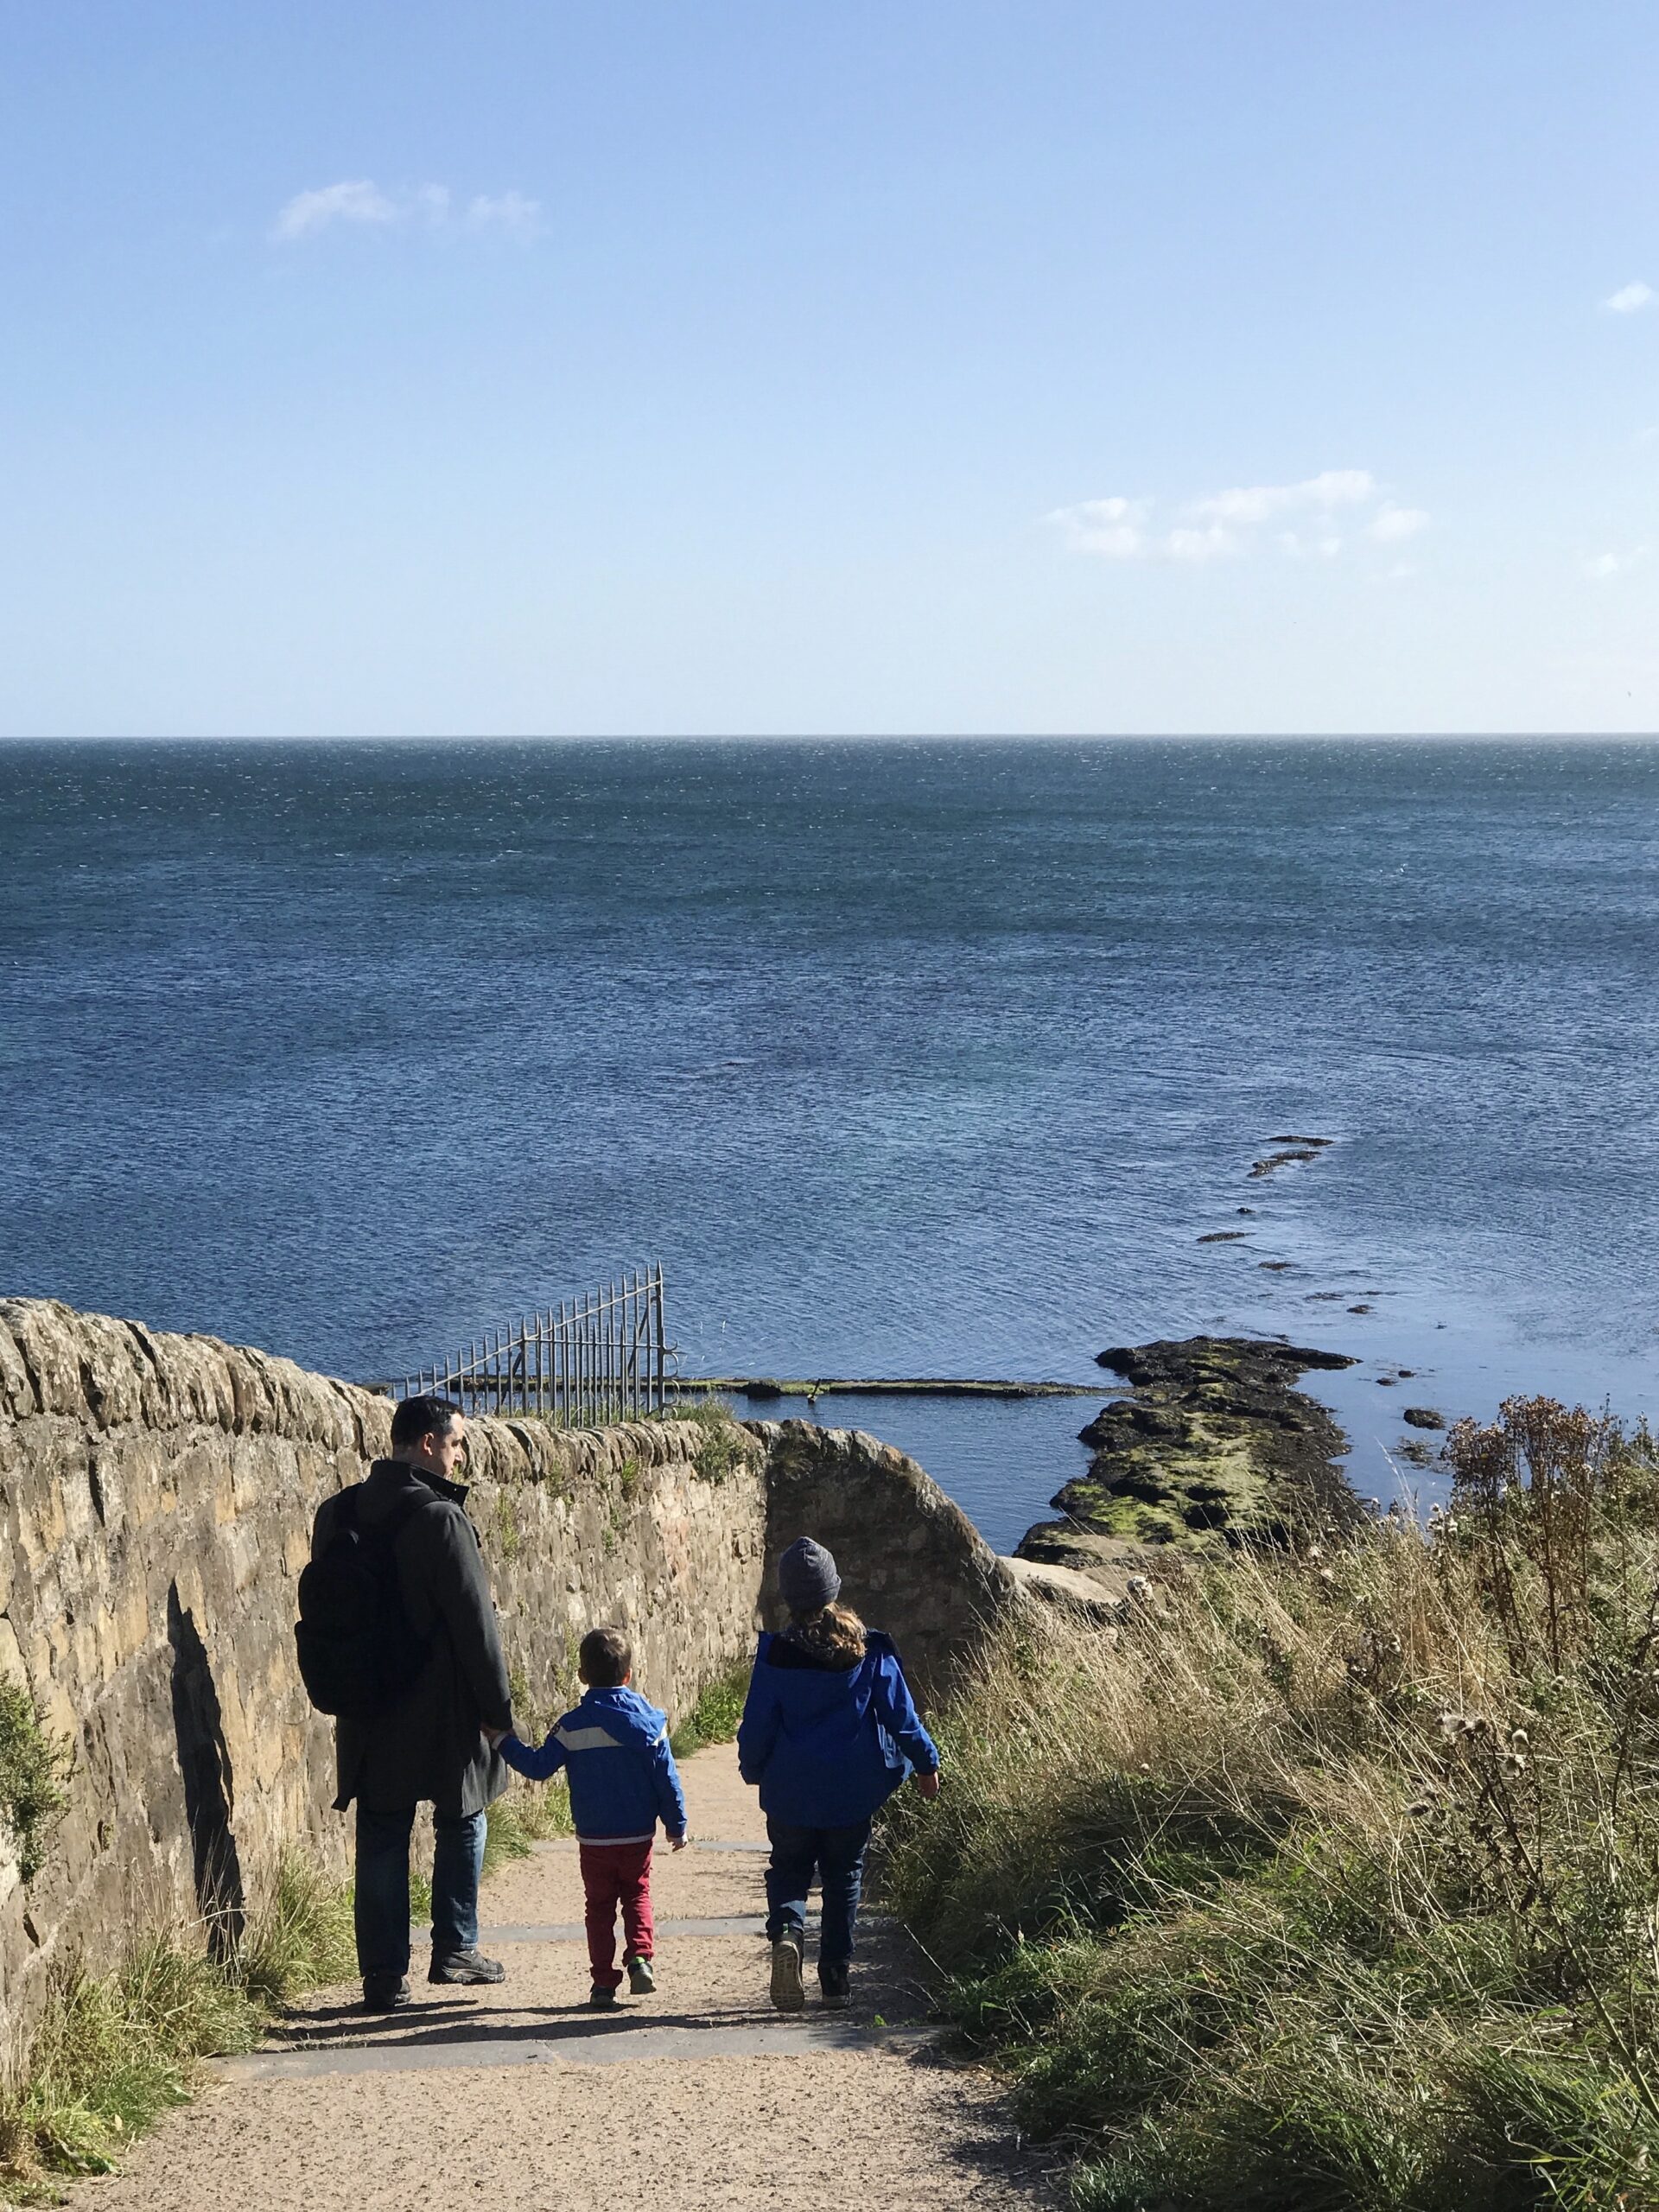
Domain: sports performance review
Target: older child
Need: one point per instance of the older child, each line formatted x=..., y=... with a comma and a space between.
x=829, y=1732
x=623, y=1779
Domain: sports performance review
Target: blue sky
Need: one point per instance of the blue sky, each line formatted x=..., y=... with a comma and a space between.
x=679, y=366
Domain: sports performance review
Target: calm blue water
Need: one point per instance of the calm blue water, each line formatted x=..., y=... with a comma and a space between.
x=910, y=1058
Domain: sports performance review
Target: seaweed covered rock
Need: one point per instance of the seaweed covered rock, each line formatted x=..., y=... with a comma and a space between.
x=1214, y=1448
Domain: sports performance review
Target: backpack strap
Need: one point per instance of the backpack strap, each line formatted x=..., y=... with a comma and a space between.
x=391, y=1527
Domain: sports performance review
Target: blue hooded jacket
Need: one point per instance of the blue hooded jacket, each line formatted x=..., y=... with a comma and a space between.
x=828, y=1745
x=623, y=1777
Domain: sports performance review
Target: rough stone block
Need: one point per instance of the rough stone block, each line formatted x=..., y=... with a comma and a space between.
x=17, y=1396
x=45, y=1333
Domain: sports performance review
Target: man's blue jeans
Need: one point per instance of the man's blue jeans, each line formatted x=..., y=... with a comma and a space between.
x=837, y=1857
x=380, y=1906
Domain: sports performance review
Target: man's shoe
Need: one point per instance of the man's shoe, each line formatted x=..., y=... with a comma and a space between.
x=833, y=1981
x=641, y=1981
x=787, y=1994
x=384, y=1992
x=601, y=2000
x=467, y=1968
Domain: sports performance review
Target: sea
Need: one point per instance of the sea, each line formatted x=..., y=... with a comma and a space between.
x=915, y=1058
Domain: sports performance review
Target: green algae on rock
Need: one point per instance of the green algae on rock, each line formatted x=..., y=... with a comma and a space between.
x=1215, y=1448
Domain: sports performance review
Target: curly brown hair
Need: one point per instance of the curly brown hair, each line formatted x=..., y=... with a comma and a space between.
x=833, y=1633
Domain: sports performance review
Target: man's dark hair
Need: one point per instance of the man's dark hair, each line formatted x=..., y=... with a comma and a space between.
x=604, y=1658
x=418, y=1417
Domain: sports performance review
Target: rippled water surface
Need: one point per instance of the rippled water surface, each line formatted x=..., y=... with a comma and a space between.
x=903, y=1058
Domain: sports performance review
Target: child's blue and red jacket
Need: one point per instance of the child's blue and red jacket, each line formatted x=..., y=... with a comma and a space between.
x=829, y=1744
x=623, y=1778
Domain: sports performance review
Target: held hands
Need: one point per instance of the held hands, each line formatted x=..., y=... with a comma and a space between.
x=495, y=1736
x=928, y=1785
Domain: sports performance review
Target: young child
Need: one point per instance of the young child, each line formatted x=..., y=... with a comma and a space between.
x=623, y=1780
x=829, y=1732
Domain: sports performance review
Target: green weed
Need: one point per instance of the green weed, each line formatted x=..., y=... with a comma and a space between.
x=34, y=1768
x=723, y=1446
x=506, y=1525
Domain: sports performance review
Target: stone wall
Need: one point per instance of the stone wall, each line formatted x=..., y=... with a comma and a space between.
x=157, y=1497
x=911, y=1560
x=156, y=1494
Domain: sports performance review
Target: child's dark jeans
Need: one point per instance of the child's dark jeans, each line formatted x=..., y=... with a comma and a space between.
x=615, y=1874
x=837, y=1855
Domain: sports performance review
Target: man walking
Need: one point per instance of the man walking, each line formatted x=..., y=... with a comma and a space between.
x=432, y=1743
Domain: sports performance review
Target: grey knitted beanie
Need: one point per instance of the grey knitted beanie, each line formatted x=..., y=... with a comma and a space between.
x=807, y=1578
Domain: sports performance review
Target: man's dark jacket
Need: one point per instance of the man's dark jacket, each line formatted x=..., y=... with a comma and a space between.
x=430, y=1746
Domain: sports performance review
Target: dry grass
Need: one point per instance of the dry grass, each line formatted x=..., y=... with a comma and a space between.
x=1331, y=1881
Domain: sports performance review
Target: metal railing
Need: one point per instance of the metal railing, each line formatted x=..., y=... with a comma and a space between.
x=602, y=1357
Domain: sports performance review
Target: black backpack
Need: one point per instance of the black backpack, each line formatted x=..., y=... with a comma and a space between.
x=359, y=1656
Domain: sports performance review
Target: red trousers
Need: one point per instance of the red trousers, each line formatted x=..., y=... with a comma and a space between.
x=615, y=1874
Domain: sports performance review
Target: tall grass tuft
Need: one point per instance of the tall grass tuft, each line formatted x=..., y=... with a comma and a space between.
x=714, y=1718
x=299, y=1937
x=112, y=2053
x=1332, y=1880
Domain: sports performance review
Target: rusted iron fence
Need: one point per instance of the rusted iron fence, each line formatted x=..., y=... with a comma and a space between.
x=602, y=1357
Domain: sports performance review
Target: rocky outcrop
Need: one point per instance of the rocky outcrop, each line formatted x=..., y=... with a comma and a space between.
x=1215, y=1447
x=157, y=1495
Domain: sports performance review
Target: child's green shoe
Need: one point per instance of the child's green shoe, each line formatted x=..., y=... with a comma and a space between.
x=641, y=1981
x=601, y=2000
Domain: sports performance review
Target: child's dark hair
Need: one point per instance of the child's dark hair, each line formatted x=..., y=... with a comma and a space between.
x=605, y=1658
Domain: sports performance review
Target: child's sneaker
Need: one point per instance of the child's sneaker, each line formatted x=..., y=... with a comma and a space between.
x=641, y=1981
x=787, y=1994
x=833, y=1981
x=601, y=2000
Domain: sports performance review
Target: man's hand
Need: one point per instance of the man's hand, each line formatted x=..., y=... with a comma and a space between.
x=928, y=1785
x=495, y=1736
x=678, y=1842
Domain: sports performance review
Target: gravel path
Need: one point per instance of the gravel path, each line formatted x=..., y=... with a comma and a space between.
x=519, y=2099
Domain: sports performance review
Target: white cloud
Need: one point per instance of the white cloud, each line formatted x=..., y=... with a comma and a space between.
x=1299, y=548
x=1333, y=487
x=1600, y=566
x=511, y=211
x=1629, y=297
x=1391, y=525
x=430, y=207
x=357, y=201
x=1110, y=528
x=1212, y=543
x=1226, y=523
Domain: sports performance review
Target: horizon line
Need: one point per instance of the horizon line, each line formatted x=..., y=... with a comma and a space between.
x=843, y=737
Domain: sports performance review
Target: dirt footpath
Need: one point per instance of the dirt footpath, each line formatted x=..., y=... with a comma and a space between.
x=520, y=2098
